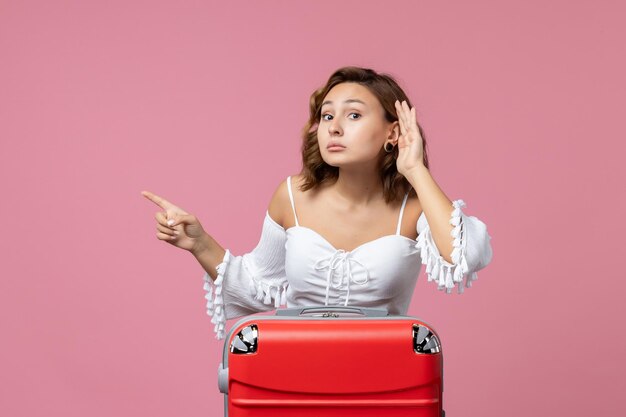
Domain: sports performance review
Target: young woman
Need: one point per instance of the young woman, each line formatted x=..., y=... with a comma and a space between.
x=354, y=226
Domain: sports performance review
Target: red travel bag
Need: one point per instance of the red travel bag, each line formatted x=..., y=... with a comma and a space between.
x=331, y=361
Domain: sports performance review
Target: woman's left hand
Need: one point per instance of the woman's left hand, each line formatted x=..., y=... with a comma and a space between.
x=410, y=144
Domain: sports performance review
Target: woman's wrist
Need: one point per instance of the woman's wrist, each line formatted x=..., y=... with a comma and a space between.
x=209, y=254
x=201, y=246
x=414, y=174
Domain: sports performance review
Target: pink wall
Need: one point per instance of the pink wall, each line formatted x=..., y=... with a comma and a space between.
x=522, y=104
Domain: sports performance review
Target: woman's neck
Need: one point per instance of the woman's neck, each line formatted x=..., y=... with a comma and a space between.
x=358, y=187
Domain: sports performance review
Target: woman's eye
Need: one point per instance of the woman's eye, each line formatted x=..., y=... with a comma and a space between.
x=324, y=116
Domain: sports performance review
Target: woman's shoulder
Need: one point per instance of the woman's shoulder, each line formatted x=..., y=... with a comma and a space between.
x=280, y=204
x=412, y=213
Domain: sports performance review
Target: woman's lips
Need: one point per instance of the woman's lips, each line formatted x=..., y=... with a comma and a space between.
x=335, y=147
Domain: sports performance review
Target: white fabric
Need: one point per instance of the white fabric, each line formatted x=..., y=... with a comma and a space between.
x=298, y=267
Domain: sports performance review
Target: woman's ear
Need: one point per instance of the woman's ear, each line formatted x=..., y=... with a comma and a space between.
x=394, y=132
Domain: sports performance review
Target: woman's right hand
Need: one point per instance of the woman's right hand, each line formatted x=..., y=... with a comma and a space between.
x=176, y=226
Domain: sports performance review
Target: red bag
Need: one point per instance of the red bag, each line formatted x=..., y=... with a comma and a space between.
x=331, y=361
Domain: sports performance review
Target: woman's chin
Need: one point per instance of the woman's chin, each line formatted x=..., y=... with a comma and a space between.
x=333, y=160
x=338, y=163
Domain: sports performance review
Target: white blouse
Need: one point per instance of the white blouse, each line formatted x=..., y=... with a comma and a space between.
x=297, y=267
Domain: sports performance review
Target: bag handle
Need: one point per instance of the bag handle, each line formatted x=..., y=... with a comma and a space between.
x=329, y=311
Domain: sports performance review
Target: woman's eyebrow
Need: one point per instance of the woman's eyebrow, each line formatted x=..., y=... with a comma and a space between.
x=350, y=100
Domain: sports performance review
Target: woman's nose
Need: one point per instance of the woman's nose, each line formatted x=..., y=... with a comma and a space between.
x=334, y=128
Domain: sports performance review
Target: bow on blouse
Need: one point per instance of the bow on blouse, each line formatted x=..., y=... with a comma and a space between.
x=340, y=259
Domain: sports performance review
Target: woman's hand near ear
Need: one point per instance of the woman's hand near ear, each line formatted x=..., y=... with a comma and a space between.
x=410, y=144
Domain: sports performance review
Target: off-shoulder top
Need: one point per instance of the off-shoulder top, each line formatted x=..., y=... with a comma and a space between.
x=298, y=267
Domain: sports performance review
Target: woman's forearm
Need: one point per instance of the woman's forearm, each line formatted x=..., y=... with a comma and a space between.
x=209, y=254
x=437, y=208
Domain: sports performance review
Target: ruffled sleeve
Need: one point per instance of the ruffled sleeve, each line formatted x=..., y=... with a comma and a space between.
x=249, y=283
x=472, y=250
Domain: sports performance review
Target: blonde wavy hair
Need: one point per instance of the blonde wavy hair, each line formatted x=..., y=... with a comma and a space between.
x=317, y=172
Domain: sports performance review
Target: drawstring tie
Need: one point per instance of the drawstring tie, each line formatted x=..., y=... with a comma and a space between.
x=340, y=259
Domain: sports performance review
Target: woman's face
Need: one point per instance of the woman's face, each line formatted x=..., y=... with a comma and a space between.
x=353, y=118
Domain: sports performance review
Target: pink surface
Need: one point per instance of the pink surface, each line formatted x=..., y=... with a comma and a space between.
x=203, y=104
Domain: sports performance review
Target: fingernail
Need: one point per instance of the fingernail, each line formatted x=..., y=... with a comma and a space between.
x=176, y=232
x=170, y=222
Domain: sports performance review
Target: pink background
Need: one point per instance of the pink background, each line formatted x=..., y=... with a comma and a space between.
x=203, y=102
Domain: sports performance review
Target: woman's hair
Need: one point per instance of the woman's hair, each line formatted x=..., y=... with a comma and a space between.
x=317, y=172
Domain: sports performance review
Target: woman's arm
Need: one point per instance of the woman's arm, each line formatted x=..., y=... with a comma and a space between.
x=252, y=282
x=235, y=285
x=452, y=245
x=209, y=254
x=437, y=208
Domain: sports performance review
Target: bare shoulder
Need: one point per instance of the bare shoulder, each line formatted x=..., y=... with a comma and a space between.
x=412, y=212
x=280, y=205
x=413, y=203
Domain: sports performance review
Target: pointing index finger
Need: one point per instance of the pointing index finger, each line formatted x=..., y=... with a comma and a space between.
x=161, y=202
